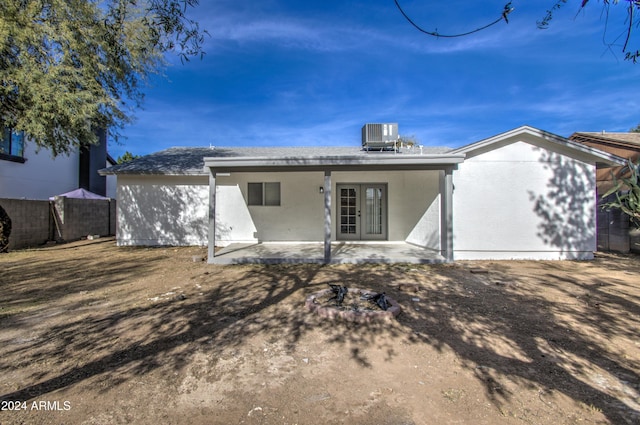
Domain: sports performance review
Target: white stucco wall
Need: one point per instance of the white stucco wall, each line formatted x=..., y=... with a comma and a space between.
x=173, y=210
x=523, y=201
x=299, y=217
x=413, y=207
x=40, y=176
x=162, y=210
x=111, y=183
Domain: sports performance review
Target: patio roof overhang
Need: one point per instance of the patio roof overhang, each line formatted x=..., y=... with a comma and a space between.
x=371, y=161
x=445, y=163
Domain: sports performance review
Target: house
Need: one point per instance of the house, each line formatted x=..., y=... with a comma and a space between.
x=625, y=145
x=523, y=194
x=615, y=231
x=27, y=172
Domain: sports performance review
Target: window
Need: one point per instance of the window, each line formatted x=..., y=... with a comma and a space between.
x=11, y=144
x=263, y=194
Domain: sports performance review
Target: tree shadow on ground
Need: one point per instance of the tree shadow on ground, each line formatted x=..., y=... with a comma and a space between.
x=500, y=328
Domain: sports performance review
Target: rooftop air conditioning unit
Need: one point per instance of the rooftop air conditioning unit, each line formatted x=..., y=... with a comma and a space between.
x=379, y=136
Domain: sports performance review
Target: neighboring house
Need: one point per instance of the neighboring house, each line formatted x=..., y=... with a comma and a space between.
x=27, y=172
x=522, y=194
x=111, y=179
x=615, y=232
x=625, y=145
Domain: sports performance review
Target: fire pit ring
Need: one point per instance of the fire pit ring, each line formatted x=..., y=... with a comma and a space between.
x=359, y=316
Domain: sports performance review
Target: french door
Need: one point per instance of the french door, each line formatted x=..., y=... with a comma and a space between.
x=362, y=211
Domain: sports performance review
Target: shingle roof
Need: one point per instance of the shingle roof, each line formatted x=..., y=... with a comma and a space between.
x=625, y=138
x=190, y=160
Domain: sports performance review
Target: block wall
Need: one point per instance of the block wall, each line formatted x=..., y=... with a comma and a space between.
x=78, y=218
x=35, y=222
x=29, y=222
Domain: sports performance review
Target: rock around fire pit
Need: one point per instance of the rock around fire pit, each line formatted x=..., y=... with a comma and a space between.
x=355, y=307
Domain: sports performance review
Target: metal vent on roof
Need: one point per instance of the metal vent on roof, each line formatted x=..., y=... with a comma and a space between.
x=379, y=136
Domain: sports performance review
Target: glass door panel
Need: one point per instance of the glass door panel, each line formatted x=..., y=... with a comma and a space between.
x=373, y=201
x=375, y=216
x=349, y=219
x=362, y=212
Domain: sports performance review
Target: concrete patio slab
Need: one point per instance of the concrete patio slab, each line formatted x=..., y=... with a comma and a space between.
x=341, y=253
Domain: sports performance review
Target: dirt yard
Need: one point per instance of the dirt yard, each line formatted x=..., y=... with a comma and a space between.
x=94, y=334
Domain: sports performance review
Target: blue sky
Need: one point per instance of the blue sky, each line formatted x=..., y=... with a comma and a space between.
x=312, y=73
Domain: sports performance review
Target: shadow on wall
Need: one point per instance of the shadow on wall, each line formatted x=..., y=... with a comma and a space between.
x=164, y=215
x=233, y=218
x=426, y=232
x=567, y=209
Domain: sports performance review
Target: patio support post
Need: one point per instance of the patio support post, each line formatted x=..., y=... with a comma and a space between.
x=327, y=217
x=446, y=214
x=212, y=216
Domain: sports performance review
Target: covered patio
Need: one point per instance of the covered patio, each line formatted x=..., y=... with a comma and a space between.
x=313, y=252
x=331, y=247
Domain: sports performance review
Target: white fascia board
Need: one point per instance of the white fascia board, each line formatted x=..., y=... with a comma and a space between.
x=600, y=155
x=109, y=172
x=337, y=161
x=595, y=154
x=525, y=129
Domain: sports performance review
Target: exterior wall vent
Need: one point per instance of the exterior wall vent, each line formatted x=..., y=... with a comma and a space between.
x=379, y=136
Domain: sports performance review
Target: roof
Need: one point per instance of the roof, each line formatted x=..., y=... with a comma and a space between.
x=628, y=140
x=110, y=160
x=191, y=160
x=530, y=134
x=173, y=161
